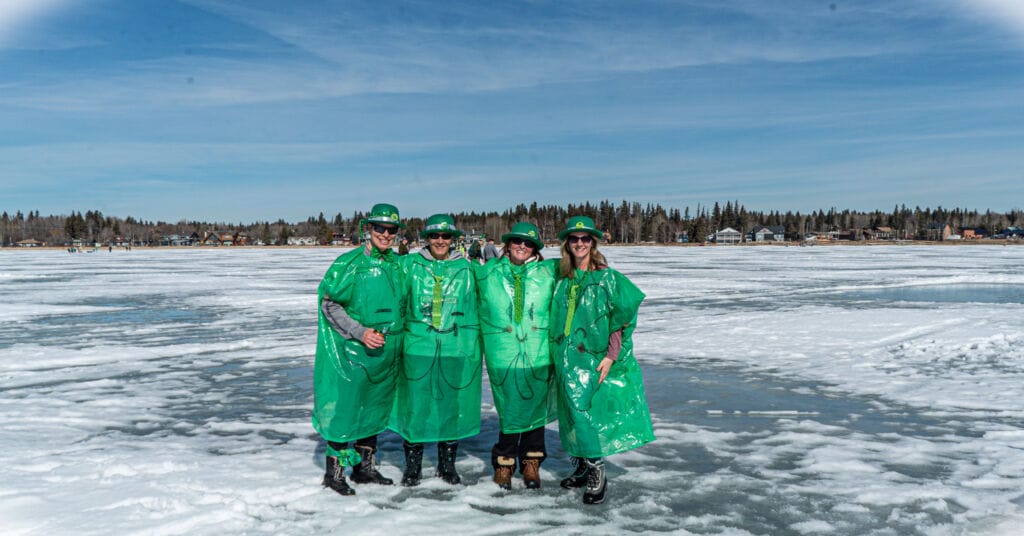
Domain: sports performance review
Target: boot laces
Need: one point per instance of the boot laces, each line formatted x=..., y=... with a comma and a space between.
x=595, y=476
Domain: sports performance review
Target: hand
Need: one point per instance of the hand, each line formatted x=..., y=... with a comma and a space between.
x=603, y=367
x=373, y=339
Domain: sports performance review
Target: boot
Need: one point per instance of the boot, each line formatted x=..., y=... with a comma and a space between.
x=597, y=483
x=413, y=464
x=334, y=477
x=366, y=472
x=503, y=472
x=446, y=451
x=531, y=473
x=578, y=478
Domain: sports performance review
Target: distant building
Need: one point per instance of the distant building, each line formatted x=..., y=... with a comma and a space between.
x=339, y=239
x=880, y=233
x=937, y=231
x=767, y=233
x=972, y=233
x=175, y=240
x=728, y=236
x=30, y=243
x=1011, y=233
x=210, y=239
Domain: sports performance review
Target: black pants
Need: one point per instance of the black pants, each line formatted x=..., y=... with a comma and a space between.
x=519, y=445
x=364, y=442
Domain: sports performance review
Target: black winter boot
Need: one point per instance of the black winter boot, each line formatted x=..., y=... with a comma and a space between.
x=413, y=463
x=578, y=478
x=334, y=477
x=366, y=472
x=446, y=461
x=597, y=483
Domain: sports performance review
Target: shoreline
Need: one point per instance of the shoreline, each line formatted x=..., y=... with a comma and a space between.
x=830, y=243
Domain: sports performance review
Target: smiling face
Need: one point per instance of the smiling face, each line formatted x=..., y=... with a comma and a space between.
x=580, y=245
x=439, y=245
x=519, y=250
x=382, y=236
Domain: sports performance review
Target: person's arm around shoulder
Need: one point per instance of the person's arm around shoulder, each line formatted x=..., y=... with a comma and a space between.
x=349, y=327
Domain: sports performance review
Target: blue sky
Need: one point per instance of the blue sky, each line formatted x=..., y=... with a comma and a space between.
x=251, y=110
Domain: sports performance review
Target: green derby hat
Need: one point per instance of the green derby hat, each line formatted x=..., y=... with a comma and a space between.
x=440, y=223
x=581, y=224
x=527, y=231
x=383, y=213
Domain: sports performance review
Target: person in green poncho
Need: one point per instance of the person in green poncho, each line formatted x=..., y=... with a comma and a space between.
x=360, y=322
x=515, y=295
x=438, y=394
x=602, y=409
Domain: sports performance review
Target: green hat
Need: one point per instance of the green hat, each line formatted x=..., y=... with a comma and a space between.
x=383, y=213
x=440, y=223
x=580, y=224
x=525, y=230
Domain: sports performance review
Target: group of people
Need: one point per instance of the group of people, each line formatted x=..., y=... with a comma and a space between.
x=402, y=341
x=480, y=251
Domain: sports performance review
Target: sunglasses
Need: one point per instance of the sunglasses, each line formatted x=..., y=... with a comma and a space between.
x=519, y=241
x=442, y=236
x=385, y=229
x=586, y=239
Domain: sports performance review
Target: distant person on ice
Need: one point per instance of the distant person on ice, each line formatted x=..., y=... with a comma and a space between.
x=602, y=409
x=515, y=295
x=438, y=396
x=360, y=321
x=490, y=252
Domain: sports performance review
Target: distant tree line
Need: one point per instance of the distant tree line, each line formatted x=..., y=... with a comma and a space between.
x=625, y=222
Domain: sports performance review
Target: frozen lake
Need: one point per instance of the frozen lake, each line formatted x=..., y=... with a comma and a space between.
x=820, y=390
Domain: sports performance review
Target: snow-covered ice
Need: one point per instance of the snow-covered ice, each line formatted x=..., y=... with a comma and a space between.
x=795, y=390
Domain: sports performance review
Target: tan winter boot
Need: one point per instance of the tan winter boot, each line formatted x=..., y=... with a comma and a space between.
x=531, y=471
x=503, y=472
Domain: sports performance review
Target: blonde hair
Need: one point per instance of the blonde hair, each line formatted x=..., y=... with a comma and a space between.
x=567, y=265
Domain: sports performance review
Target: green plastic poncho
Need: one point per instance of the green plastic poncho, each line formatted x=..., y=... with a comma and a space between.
x=354, y=386
x=438, y=394
x=514, y=303
x=597, y=420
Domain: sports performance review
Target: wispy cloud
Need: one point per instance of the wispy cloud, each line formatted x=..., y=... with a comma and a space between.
x=1008, y=14
x=18, y=17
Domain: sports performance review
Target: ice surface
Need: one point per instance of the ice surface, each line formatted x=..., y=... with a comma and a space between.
x=818, y=390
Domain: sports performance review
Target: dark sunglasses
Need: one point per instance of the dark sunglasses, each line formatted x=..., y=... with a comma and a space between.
x=442, y=236
x=586, y=239
x=385, y=229
x=518, y=241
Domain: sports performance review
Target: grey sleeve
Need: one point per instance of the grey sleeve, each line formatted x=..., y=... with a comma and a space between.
x=341, y=321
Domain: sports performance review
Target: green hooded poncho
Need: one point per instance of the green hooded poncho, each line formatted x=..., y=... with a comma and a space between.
x=597, y=420
x=438, y=394
x=354, y=386
x=514, y=303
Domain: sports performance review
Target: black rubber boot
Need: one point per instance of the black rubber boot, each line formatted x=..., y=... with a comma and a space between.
x=578, y=478
x=446, y=461
x=366, y=472
x=334, y=477
x=413, y=464
x=597, y=483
